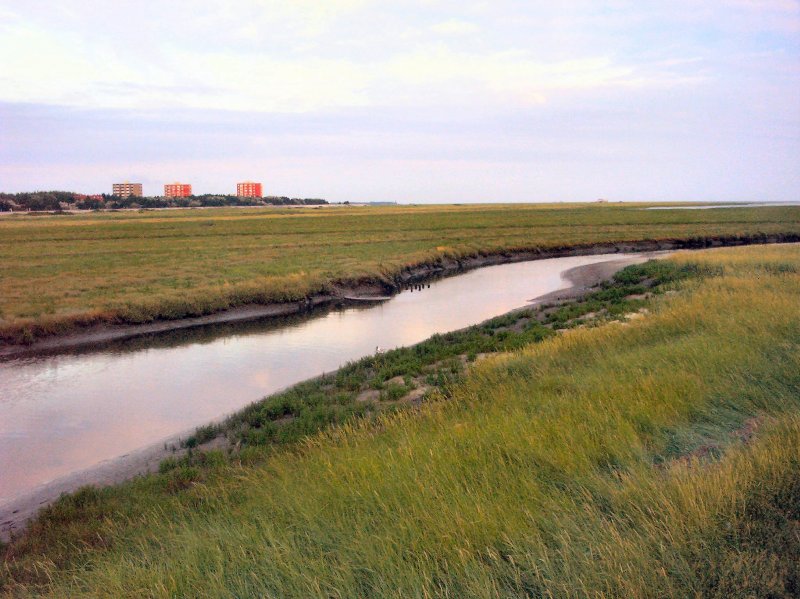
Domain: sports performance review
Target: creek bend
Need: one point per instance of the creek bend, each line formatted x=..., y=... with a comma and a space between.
x=66, y=412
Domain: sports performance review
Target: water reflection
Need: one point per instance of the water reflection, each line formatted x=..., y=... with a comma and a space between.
x=64, y=412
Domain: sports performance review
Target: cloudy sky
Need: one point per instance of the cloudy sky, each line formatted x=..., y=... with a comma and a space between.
x=410, y=101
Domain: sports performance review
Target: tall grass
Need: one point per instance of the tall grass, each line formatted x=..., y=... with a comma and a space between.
x=654, y=458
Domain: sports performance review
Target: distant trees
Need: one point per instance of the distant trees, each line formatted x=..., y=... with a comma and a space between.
x=91, y=204
x=284, y=201
x=138, y=202
x=59, y=200
x=37, y=200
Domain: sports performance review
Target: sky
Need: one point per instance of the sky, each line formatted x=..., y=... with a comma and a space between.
x=413, y=101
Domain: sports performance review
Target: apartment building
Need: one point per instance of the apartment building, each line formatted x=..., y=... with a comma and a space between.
x=248, y=189
x=177, y=190
x=124, y=190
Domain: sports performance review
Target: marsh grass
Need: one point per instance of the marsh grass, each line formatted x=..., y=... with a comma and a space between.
x=435, y=364
x=579, y=465
x=61, y=274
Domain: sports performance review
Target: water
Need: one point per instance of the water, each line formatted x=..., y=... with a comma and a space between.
x=66, y=412
x=711, y=206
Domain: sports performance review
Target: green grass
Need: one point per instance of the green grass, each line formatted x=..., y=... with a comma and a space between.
x=431, y=367
x=62, y=272
x=655, y=457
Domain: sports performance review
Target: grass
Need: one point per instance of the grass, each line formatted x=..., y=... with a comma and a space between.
x=405, y=377
x=59, y=273
x=649, y=457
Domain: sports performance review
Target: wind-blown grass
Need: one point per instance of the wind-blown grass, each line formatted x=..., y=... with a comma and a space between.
x=60, y=273
x=657, y=457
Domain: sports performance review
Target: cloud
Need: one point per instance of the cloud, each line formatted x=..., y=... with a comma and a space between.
x=260, y=83
x=325, y=91
x=275, y=56
x=67, y=69
x=455, y=27
x=517, y=76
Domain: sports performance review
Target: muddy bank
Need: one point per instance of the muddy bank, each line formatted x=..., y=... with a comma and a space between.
x=583, y=278
x=98, y=334
x=447, y=266
x=372, y=289
x=15, y=512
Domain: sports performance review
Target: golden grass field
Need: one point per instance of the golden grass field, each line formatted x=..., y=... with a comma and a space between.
x=658, y=457
x=60, y=271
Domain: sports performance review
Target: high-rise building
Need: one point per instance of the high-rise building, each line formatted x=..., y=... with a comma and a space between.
x=177, y=190
x=124, y=190
x=248, y=189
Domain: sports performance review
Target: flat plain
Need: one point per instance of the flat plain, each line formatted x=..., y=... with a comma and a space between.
x=62, y=271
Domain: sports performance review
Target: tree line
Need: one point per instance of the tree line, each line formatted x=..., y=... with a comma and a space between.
x=55, y=201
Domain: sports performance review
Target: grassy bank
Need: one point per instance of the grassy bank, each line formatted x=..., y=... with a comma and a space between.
x=61, y=273
x=659, y=456
x=407, y=377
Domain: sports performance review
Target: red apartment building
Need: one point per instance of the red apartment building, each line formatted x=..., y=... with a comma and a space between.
x=248, y=189
x=177, y=190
